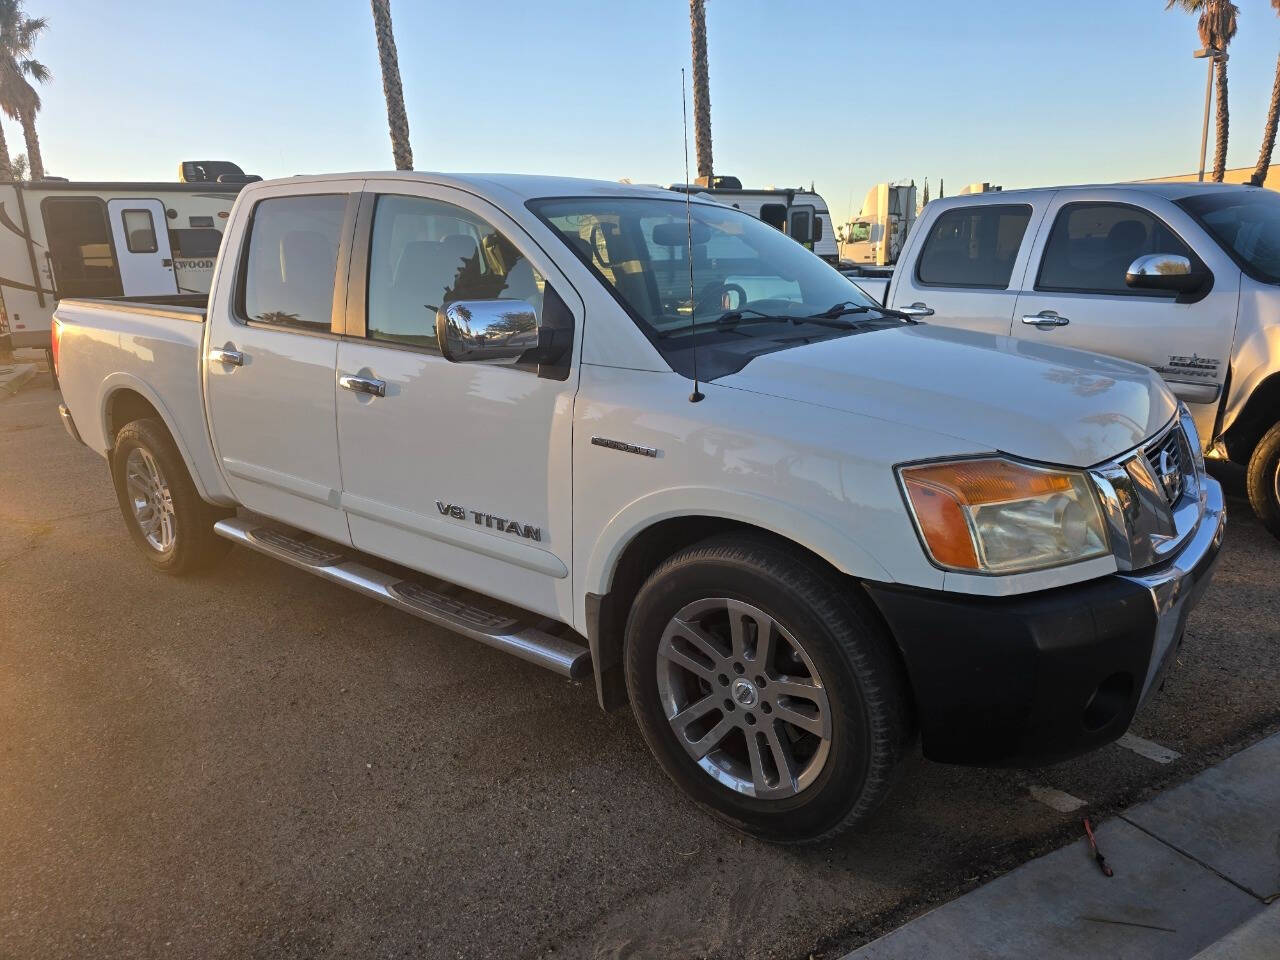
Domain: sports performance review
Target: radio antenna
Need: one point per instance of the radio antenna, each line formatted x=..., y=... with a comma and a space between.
x=688, y=250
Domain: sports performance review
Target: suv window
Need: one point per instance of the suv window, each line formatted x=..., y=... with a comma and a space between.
x=291, y=260
x=425, y=254
x=1092, y=245
x=973, y=246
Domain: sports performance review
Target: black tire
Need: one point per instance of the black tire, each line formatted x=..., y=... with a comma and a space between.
x=849, y=647
x=194, y=545
x=1263, y=478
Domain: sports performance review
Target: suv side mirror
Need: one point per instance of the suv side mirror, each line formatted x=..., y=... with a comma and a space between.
x=496, y=331
x=1164, y=271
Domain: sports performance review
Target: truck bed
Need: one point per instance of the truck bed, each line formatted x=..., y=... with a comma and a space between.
x=139, y=351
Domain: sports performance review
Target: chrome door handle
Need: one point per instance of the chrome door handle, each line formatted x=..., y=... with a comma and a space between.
x=374, y=388
x=1046, y=318
x=228, y=356
x=917, y=309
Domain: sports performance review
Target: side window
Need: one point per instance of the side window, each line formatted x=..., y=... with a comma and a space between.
x=198, y=243
x=139, y=231
x=425, y=254
x=973, y=246
x=1092, y=245
x=292, y=257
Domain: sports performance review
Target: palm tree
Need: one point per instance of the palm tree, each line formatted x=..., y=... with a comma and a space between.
x=397, y=120
x=1217, y=28
x=1269, y=131
x=18, y=98
x=701, y=90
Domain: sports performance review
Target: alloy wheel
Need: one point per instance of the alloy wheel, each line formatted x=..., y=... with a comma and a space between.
x=151, y=499
x=744, y=698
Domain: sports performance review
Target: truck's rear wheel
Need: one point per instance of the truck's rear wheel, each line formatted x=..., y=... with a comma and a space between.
x=165, y=515
x=1263, y=480
x=765, y=690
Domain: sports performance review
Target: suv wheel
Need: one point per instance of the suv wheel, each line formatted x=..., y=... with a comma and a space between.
x=1263, y=480
x=765, y=688
x=165, y=515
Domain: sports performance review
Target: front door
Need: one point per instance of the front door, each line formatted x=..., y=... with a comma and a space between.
x=141, y=236
x=1075, y=294
x=968, y=272
x=458, y=469
x=271, y=350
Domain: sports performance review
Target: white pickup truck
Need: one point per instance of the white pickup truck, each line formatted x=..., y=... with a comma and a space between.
x=473, y=398
x=1181, y=277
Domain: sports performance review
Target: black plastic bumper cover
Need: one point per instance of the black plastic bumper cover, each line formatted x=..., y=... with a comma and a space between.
x=1018, y=681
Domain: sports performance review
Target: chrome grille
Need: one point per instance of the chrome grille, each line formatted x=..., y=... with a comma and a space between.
x=1170, y=461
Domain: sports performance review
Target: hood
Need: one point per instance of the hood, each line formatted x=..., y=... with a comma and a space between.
x=1031, y=400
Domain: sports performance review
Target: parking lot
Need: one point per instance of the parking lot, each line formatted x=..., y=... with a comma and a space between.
x=253, y=763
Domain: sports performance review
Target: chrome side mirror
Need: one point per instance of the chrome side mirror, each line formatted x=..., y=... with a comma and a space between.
x=494, y=331
x=1164, y=271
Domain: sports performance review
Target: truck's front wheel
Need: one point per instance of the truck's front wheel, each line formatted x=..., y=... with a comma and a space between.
x=165, y=515
x=766, y=691
x=1263, y=480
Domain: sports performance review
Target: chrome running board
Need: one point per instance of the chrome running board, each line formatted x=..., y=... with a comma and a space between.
x=328, y=562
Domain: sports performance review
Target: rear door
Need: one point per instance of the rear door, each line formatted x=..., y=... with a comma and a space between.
x=141, y=236
x=969, y=266
x=269, y=373
x=1075, y=293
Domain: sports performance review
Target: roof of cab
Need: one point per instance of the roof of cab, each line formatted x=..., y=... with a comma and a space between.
x=516, y=186
x=1169, y=189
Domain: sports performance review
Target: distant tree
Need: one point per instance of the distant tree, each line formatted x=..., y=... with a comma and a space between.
x=1217, y=28
x=392, y=91
x=18, y=98
x=940, y=184
x=701, y=89
x=1269, y=130
x=17, y=168
x=925, y=198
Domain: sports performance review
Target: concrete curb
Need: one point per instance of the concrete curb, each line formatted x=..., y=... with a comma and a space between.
x=1195, y=868
x=13, y=376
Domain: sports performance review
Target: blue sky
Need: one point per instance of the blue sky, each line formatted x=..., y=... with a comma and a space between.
x=841, y=93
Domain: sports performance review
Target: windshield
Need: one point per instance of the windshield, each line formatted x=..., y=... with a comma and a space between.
x=1246, y=223
x=754, y=289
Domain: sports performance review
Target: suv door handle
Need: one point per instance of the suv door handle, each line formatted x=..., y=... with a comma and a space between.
x=233, y=358
x=1045, y=319
x=374, y=388
x=917, y=309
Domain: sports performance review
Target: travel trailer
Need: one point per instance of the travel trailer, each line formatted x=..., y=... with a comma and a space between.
x=60, y=238
x=801, y=214
x=876, y=235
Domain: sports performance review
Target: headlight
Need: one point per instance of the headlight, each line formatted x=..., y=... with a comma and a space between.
x=997, y=516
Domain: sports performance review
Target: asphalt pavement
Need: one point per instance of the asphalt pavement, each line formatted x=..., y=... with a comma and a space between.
x=252, y=763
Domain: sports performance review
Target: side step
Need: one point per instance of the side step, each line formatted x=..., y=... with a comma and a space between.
x=498, y=630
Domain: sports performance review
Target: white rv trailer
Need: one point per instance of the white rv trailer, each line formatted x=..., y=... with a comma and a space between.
x=95, y=239
x=799, y=213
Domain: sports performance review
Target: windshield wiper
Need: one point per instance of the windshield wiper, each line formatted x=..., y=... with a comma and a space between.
x=848, y=306
x=731, y=319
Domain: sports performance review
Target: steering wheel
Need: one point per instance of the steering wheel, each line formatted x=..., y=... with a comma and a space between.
x=717, y=291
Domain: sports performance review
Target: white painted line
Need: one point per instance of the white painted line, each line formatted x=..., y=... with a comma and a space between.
x=1145, y=748
x=1062, y=802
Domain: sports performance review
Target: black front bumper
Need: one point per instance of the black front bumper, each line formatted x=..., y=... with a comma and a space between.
x=1029, y=679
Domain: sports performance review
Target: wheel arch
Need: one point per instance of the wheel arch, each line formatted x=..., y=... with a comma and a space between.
x=125, y=399
x=1259, y=413
x=638, y=539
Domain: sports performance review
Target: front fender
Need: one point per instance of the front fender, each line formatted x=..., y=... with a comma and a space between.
x=776, y=516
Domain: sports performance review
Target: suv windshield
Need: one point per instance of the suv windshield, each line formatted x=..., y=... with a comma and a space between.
x=1246, y=223
x=755, y=289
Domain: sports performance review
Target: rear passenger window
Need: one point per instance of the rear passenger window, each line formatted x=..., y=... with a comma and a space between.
x=1093, y=244
x=425, y=254
x=973, y=246
x=292, y=259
